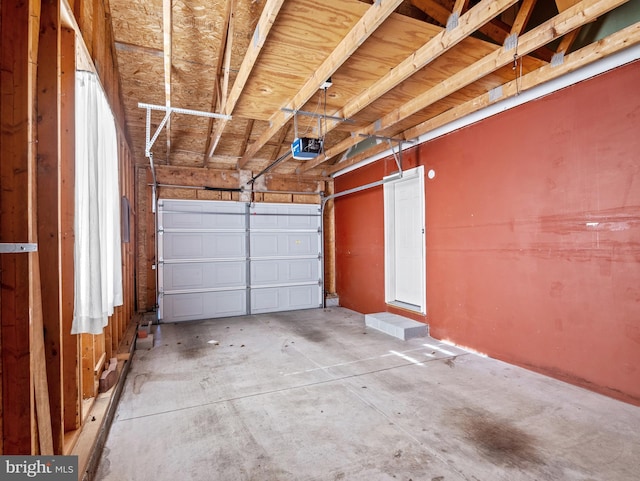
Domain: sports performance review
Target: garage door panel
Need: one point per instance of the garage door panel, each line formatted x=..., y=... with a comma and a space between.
x=204, y=275
x=212, y=265
x=273, y=299
x=282, y=217
x=203, y=305
x=265, y=272
x=203, y=245
x=267, y=244
x=178, y=214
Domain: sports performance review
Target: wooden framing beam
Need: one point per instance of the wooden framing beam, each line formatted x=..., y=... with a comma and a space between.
x=18, y=62
x=167, y=14
x=228, y=51
x=567, y=41
x=247, y=136
x=281, y=138
x=49, y=207
x=607, y=46
x=42, y=442
x=434, y=9
x=495, y=29
x=370, y=21
x=216, y=100
x=614, y=43
x=435, y=47
x=522, y=18
x=460, y=6
x=70, y=343
x=267, y=19
x=564, y=4
x=564, y=22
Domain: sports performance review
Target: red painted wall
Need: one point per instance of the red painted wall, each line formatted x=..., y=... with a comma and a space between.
x=533, y=235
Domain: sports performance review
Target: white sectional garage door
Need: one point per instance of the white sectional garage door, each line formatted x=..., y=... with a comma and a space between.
x=219, y=259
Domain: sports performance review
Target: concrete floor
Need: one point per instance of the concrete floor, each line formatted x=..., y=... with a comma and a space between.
x=314, y=395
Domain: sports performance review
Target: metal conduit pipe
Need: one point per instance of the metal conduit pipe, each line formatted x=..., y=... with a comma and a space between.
x=270, y=166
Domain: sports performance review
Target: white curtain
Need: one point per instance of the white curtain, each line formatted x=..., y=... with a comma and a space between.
x=98, y=263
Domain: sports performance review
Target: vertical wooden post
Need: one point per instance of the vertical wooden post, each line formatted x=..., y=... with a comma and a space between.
x=145, y=241
x=71, y=343
x=88, y=364
x=329, y=243
x=15, y=134
x=37, y=356
x=48, y=200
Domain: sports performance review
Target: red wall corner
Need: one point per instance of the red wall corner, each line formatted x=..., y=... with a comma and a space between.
x=533, y=235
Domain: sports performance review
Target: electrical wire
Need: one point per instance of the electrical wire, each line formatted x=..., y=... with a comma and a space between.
x=315, y=113
x=517, y=69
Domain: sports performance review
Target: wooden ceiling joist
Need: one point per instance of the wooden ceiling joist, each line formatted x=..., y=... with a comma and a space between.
x=370, y=21
x=572, y=18
x=567, y=41
x=495, y=30
x=216, y=101
x=393, y=68
x=224, y=90
x=268, y=17
x=479, y=15
x=616, y=42
x=524, y=13
x=166, y=42
x=460, y=6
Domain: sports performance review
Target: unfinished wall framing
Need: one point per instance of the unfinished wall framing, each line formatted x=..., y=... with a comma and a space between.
x=39, y=44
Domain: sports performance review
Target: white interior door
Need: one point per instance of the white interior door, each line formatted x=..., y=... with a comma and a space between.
x=405, y=271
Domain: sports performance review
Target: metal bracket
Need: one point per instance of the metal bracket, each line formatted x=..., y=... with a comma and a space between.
x=397, y=157
x=320, y=117
x=9, y=248
x=314, y=114
x=452, y=21
x=168, y=111
x=557, y=59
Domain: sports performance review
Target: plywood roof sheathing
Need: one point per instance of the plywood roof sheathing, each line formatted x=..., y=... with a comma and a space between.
x=393, y=68
x=432, y=49
x=265, y=23
x=368, y=23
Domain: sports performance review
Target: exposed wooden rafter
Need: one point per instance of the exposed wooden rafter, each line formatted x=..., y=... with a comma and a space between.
x=616, y=42
x=166, y=43
x=261, y=62
x=495, y=30
x=247, y=136
x=224, y=90
x=572, y=18
x=567, y=41
x=460, y=6
x=216, y=100
x=437, y=46
x=370, y=21
x=268, y=17
x=524, y=13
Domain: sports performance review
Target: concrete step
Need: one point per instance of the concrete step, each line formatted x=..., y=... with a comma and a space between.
x=396, y=326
